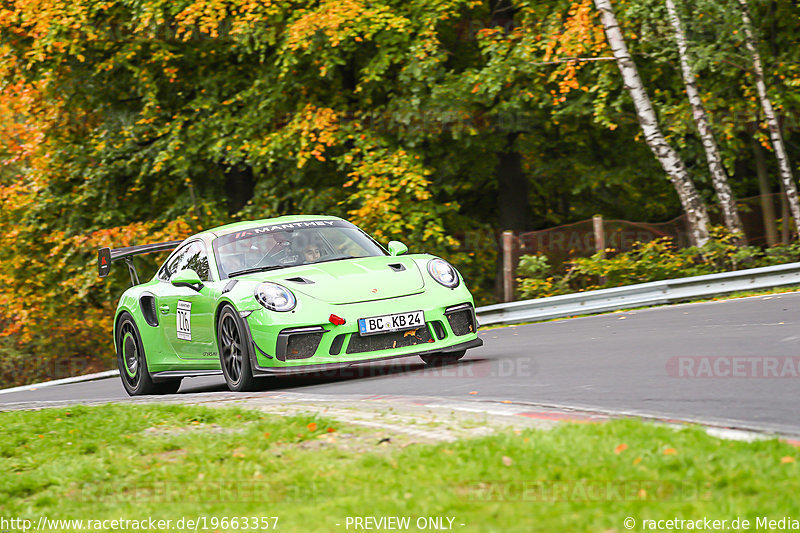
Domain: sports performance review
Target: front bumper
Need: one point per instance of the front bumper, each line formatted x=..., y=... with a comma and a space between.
x=315, y=343
x=321, y=367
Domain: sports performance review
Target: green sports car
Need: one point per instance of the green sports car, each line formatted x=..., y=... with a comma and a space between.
x=284, y=295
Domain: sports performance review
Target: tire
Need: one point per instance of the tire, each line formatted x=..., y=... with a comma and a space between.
x=234, y=351
x=440, y=359
x=132, y=362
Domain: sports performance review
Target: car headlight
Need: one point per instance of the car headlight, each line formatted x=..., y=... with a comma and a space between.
x=275, y=297
x=443, y=272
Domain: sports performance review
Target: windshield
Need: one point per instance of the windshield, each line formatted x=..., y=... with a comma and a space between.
x=291, y=244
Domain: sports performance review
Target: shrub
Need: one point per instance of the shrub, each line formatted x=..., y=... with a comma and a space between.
x=648, y=261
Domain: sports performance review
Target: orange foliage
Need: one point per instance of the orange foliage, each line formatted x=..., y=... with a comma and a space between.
x=342, y=20
x=581, y=36
x=51, y=301
x=313, y=129
x=47, y=276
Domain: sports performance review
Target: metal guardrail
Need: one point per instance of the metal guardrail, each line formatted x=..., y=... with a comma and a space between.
x=641, y=295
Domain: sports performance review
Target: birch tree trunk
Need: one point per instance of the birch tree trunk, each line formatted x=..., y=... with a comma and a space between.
x=719, y=177
x=764, y=190
x=769, y=115
x=692, y=204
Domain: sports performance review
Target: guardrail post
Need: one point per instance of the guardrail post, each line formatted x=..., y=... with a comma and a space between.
x=599, y=241
x=599, y=235
x=508, y=266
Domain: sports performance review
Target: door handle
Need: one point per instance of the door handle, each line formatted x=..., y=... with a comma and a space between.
x=164, y=309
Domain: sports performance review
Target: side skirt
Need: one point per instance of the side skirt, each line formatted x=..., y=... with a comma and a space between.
x=172, y=374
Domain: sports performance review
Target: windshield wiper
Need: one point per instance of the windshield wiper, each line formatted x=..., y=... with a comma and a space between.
x=334, y=259
x=254, y=269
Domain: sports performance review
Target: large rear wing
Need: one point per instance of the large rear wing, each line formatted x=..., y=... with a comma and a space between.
x=106, y=256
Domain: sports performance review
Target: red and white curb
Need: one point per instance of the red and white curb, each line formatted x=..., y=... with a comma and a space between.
x=541, y=412
x=549, y=414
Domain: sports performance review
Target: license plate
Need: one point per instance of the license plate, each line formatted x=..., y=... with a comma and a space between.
x=388, y=323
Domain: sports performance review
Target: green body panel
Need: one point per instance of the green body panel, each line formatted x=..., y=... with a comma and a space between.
x=350, y=289
x=202, y=343
x=355, y=280
x=431, y=298
x=163, y=349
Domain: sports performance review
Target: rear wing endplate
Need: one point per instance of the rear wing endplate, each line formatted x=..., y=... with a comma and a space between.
x=106, y=256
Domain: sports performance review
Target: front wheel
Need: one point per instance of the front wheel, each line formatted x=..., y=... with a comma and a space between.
x=234, y=355
x=133, y=363
x=439, y=359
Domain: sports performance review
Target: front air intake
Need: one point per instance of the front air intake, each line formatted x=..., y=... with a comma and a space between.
x=387, y=341
x=302, y=346
x=461, y=319
x=298, y=343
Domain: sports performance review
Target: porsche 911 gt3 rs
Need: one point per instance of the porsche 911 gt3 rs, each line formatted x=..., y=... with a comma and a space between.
x=284, y=295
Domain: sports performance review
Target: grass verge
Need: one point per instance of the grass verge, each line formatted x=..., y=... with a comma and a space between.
x=135, y=462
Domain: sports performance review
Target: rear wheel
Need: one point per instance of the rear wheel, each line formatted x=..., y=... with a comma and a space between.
x=439, y=359
x=234, y=353
x=133, y=363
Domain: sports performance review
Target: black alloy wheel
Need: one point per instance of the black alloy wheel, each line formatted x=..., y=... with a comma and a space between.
x=132, y=362
x=234, y=353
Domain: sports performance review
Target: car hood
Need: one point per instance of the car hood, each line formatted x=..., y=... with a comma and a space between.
x=352, y=280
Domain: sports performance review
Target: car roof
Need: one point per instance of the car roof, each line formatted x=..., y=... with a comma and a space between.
x=249, y=224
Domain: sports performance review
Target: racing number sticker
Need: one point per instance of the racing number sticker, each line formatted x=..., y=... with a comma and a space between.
x=184, y=320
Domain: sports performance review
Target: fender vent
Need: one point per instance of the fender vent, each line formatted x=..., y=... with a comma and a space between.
x=230, y=285
x=397, y=267
x=147, y=303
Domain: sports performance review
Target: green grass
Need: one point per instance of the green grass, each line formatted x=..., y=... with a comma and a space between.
x=748, y=294
x=168, y=462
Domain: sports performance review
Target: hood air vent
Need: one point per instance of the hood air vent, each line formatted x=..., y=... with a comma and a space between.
x=301, y=280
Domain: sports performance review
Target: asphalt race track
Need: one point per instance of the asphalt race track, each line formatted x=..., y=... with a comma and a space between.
x=731, y=363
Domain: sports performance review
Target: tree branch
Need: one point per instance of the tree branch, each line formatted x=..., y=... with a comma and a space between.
x=574, y=60
x=731, y=63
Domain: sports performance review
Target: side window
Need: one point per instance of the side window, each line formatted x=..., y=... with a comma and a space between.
x=197, y=260
x=191, y=256
x=168, y=269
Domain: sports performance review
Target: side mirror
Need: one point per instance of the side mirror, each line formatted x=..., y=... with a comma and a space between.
x=397, y=248
x=187, y=278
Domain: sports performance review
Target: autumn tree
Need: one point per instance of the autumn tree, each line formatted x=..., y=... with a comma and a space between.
x=787, y=179
x=439, y=124
x=719, y=176
x=666, y=155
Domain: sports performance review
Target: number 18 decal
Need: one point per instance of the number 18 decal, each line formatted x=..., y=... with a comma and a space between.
x=184, y=320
